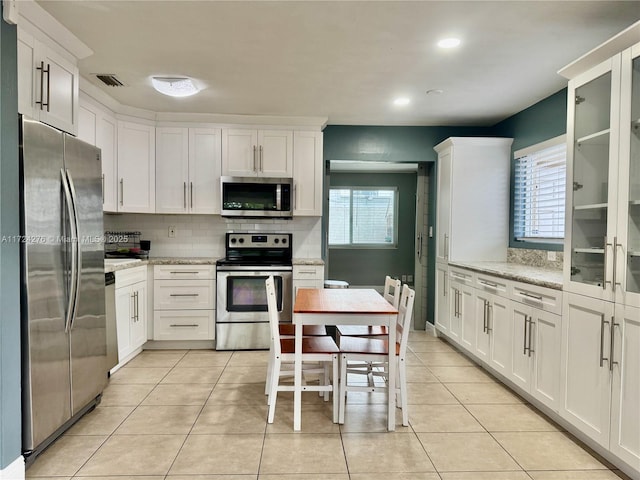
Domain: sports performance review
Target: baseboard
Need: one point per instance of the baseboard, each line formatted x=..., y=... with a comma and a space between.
x=14, y=471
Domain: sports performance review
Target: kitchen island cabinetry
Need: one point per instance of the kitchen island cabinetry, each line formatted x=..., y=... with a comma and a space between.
x=47, y=83
x=136, y=168
x=188, y=170
x=131, y=312
x=183, y=302
x=257, y=153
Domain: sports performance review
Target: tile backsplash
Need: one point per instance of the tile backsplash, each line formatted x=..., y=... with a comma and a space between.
x=203, y=235
x=534, y=258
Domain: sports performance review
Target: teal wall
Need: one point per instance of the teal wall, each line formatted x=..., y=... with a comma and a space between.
x=542, y=121
x=364, y=266
x=10, y=416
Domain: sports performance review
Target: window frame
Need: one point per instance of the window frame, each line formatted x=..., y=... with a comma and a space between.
x=550, y=244
x=351, y=245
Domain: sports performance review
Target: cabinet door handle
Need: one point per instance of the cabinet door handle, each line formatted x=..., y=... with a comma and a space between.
x=191, y=193
x=615, y=262
x=446, y=246
x=526, y=321
x=484, y=317
x=613, y=326
x=489, y=317
x=137, y=308
x=531, y=350
x=103, y=188
x=606, y=244
x=444, y=281
x=255, y=168
x=261, y=158
x=122, y=191
x=48, y=72
x=602, y=357
x=42, y=72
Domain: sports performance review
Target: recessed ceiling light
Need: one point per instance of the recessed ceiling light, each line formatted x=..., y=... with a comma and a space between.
x=175, y=86
x=449, y=42
x=401, y=101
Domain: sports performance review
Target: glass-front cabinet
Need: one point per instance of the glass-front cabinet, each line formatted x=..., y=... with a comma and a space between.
x=603, y=215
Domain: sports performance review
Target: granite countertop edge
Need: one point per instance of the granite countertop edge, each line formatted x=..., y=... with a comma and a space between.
x=540, y=276
x=191, y=261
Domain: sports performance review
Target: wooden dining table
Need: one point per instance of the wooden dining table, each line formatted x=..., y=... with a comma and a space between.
x=345, y=306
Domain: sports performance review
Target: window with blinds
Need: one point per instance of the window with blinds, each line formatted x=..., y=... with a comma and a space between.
x=539, y=191
x=363, y=216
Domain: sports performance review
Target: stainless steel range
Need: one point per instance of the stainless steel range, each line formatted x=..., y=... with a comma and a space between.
x=242, y=321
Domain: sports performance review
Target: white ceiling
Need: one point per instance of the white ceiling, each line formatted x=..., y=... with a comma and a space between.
x=345, y=60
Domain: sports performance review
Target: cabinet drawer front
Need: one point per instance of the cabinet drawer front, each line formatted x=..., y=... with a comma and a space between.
x=308, y=272
x=546, y=299
x=465, y=277
x=183, y=325
x=183, y=294
x=131, y=276
x=184, y=272
x=489, y=283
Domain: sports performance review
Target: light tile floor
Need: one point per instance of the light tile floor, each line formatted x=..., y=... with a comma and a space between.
x=201, y=415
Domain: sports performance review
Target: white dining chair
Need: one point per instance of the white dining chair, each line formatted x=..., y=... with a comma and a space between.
x=374, y=351
x=391, y=293
x=315, y=349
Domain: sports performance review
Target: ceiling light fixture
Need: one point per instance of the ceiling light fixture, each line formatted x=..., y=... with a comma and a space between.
x=401, y=101
x=175, y=86
x=449, y=42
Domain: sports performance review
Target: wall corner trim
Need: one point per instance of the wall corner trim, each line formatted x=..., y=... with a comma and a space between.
x=14, y=471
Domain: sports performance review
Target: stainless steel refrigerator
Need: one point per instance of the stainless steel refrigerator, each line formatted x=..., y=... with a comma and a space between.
x=62, y=300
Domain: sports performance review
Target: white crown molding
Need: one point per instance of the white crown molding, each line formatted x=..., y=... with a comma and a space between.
x=30, y=15
x=625, y=39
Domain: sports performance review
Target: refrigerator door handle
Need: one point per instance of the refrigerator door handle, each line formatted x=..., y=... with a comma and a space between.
x=74, y=267
x=77, y=251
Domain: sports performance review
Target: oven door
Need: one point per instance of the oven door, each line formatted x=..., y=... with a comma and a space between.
x=242, y=320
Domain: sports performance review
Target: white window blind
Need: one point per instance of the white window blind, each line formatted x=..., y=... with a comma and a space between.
x=539, y=191
x=362, y=216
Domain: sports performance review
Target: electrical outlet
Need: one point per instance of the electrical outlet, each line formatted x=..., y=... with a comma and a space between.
x=410, y=278
x=172, y=231
x=551, y=256
x=403, y=278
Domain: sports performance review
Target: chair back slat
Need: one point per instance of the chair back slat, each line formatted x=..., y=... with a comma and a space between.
x=405, y=312
x=274, y=320
x=391, y=291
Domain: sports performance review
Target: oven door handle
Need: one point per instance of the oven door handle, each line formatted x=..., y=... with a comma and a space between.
x=257, y=269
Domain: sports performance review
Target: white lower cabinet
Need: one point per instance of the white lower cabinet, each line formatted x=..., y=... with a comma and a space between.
x=307, y=276
x=461, y=308
x=131, y=308
x=442, y=316
x=493, y=331
x=184, y=302
x=536, y=353
x=601, y=373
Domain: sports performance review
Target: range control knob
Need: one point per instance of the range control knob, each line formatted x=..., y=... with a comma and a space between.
x=276, y=240
x=284, y=240
x=241, y=240
x=233, y=240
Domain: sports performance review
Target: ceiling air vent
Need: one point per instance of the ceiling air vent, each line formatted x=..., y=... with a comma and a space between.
x=109, y=79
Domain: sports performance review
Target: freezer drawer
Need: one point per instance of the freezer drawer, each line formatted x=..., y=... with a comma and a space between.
x=243, y=336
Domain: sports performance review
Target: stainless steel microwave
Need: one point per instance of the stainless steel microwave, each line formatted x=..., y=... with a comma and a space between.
x=256, y=197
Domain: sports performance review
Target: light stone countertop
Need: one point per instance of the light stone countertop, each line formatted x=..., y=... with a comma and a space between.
x=114, y=265
x=543, y=277
x=308, y=261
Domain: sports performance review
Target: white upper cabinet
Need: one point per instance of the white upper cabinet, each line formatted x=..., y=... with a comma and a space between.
x=307, y=173
x=257, y=153
x=603, y=189
x=99, y=127
x=188, y=170
x=47, y=83
x=473, y=199
x=136, y=167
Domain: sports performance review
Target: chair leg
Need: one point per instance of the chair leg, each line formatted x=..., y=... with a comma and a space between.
x=402, y=377
x=334, y=386
x=273, y=389
x=342, y=388
x=267, y=384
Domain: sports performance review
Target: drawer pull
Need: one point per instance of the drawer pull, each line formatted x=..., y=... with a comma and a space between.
x=184, y=294
x=529, y=295
x=184, y=325
x=310, y=272
x=185, y=271
x=488, y=284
